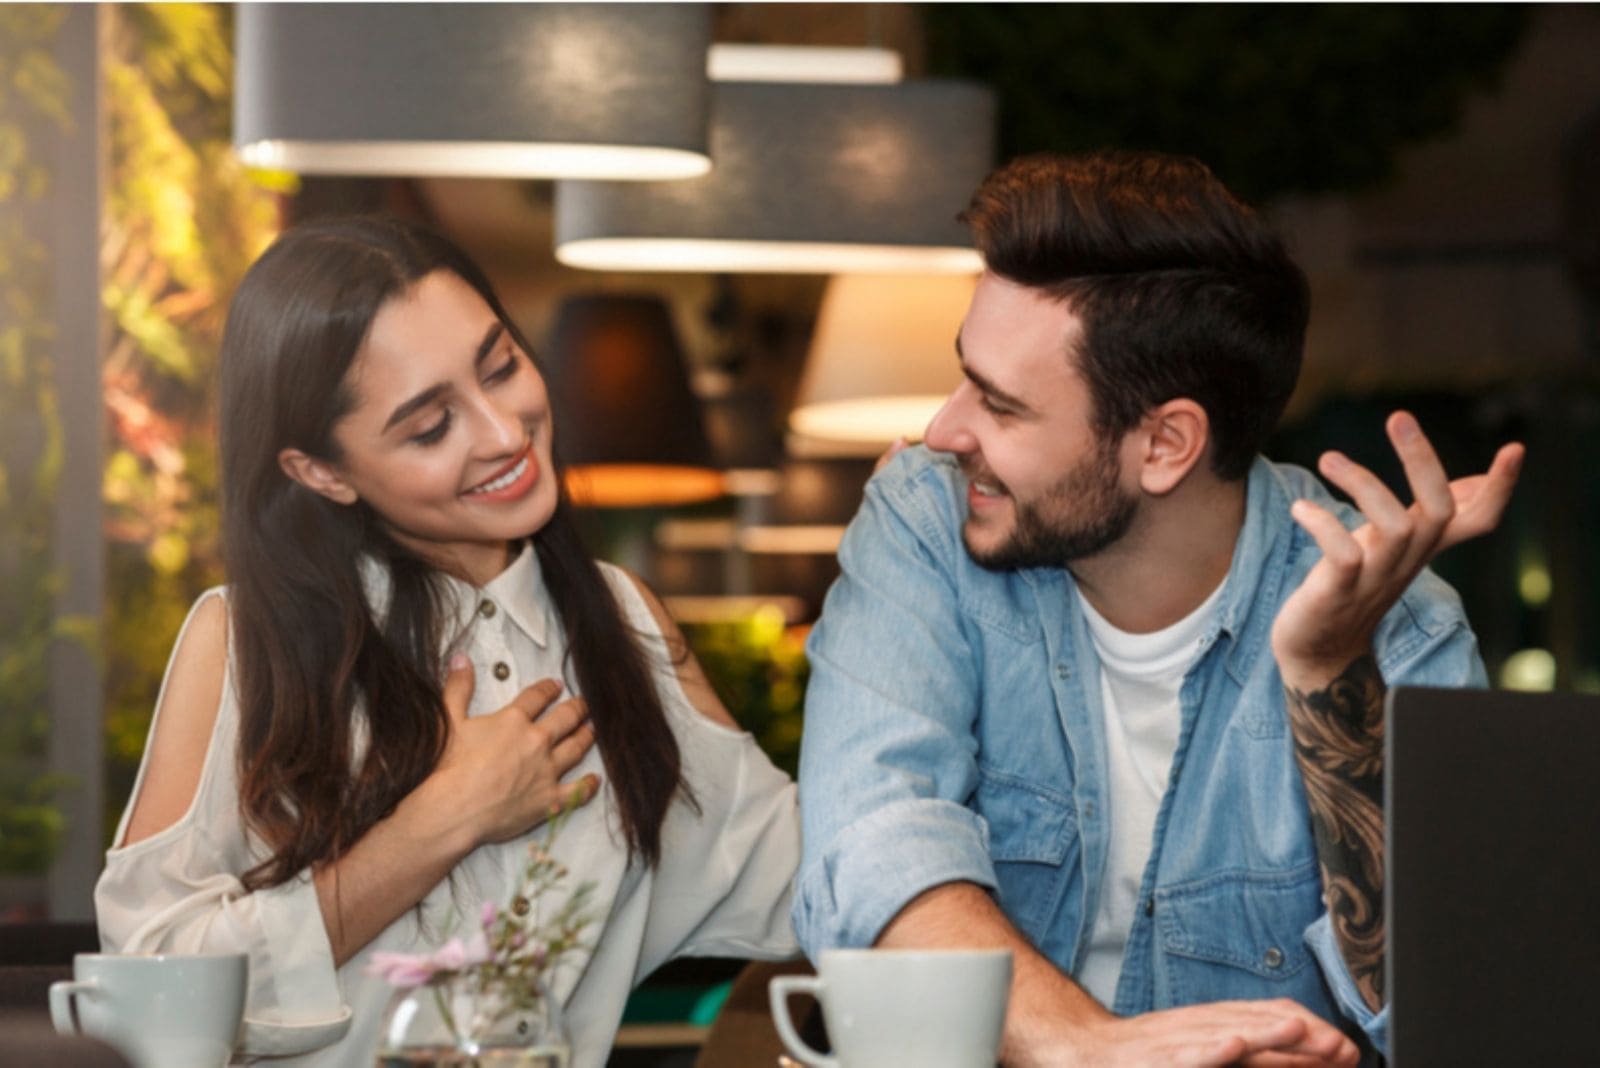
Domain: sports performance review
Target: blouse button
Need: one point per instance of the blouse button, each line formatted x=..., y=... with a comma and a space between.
x=502, y=671
x=1273, y=957
x=486, y=609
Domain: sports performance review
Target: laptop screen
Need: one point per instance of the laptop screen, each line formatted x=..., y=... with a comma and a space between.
x=1492, y=804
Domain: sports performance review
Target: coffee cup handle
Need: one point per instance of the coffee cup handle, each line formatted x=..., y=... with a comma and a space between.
x=61, y=993
x=778, y=992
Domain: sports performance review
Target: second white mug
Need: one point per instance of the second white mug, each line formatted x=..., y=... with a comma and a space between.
x=929, y=1008
x=161, y=1011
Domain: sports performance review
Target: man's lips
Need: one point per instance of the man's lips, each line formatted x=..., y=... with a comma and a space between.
x=511, y=481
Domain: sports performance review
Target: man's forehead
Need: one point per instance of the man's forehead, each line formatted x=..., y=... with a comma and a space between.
x=1015, y=335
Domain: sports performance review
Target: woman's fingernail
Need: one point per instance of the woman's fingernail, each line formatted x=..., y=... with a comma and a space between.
x=459, y=662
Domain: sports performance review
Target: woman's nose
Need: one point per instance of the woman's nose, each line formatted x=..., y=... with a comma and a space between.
x=501, y=425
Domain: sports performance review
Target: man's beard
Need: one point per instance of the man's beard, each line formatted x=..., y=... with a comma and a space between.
x=1081, y=515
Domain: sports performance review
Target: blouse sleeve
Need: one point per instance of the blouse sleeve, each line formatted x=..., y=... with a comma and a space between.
x=179, y=891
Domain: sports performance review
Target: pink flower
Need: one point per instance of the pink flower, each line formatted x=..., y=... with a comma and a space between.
x=402, y=969
x=455, y=954
x=486, y=920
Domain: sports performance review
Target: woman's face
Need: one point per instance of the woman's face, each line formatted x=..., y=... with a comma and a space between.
x=448, y=439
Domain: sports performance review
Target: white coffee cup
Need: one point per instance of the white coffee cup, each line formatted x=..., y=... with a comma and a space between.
x=163, y=1011
x=934, y=1008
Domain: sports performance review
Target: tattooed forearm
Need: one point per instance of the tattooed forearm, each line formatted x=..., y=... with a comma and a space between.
x=1338, y=741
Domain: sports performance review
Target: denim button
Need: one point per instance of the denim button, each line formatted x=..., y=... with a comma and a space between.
x=502, y=671
x=1273, y=957
x=486, y=609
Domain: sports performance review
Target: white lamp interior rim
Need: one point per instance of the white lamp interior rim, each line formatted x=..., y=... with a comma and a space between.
x=776, y=257
x=477, y=159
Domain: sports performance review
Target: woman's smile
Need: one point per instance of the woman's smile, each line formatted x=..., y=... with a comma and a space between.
x=511, y=481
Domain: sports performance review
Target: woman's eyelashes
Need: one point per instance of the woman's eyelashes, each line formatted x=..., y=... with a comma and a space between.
x=435, y=433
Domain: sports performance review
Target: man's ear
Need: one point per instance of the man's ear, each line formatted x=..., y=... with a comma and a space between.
x=1175, y=436
x=316, y=475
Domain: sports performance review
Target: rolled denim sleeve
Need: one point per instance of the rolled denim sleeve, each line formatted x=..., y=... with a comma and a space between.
x=1424, y=641
x=889, y=757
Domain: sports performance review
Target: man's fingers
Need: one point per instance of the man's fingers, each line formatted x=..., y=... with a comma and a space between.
x=576, y=795
x=1375, y=500
x=1430, y=486
x=1480, y=500
x=458, y=683
x=1340, y=551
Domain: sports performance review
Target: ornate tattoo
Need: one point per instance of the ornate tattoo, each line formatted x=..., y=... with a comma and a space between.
x=1338, y=742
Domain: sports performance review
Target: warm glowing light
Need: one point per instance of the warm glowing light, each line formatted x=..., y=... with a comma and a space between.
x=1534, y=585
x=820, y=539
x=798, y=63
x=763, y=257
x=641, y=485
x=476, y=159
x=1532, y=670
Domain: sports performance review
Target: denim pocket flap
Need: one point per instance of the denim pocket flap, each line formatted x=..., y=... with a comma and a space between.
x=1252, y=921
x=1027, y=822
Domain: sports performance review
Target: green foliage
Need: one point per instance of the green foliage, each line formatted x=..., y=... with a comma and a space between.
x=183, y=221
x=758, y=668
x=1276, y=98
x=35, y=105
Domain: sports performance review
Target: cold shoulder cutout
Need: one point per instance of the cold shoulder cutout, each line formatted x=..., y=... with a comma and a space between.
x=181, y=729
x=697, y=689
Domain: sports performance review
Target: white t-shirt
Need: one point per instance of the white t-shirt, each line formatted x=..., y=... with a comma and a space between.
x=1140, y=676
x=722, y=887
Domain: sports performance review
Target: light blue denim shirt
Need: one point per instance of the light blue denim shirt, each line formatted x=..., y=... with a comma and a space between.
x=954, y=732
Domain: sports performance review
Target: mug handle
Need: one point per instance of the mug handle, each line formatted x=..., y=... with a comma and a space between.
x=61, y=993
x=778, y=992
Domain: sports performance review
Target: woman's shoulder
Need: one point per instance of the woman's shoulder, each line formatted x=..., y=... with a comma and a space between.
x=645, y=613
x=185, y=721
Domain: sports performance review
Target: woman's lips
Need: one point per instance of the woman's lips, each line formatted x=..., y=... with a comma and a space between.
x=511, y=481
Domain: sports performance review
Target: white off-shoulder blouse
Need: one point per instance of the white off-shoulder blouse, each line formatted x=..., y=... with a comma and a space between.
x=722, y=887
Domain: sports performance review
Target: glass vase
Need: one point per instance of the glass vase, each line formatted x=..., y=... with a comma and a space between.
x=465, y=1022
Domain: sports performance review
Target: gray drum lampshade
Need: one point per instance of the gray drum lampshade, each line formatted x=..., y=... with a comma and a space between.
x=627, y=424
x=806, y=178
x=514, y=90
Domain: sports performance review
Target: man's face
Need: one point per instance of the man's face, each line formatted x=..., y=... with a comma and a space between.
x=1043, y=489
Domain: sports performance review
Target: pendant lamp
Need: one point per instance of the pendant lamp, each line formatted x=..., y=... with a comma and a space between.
x=627, y=425
x=882, y=361
x=818, y=178
x=616, y=91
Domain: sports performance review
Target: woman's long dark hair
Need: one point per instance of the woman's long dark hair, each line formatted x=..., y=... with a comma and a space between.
x=309, y=651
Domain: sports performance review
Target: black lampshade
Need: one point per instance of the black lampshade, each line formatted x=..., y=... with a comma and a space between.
x=627, y=424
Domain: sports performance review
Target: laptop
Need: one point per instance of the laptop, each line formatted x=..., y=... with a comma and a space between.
x=1493, y=887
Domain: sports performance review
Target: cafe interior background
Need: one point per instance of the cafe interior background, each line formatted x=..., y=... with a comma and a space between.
x=727, y=345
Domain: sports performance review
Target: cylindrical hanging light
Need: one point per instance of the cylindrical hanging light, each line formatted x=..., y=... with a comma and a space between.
x=882, y=360
x=614, y=91
x=807, y=178
x=627, y=423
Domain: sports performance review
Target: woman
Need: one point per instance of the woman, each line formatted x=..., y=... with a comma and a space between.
x=356, y=737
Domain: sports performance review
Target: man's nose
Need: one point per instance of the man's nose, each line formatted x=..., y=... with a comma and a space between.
x=947, y=430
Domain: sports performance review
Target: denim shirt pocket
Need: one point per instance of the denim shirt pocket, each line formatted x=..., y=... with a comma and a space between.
x=1241, y=935
x=1033, y=841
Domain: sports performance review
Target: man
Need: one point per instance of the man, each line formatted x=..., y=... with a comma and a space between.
x=1100, y=684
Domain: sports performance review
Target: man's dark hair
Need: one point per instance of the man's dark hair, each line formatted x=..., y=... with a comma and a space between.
x=1181, y=289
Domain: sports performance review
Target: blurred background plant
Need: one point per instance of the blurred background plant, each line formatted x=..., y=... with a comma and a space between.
x=758, y=667
x=182, y=221
x=35, y=99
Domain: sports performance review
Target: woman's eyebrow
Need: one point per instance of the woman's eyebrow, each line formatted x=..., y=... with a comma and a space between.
x=432, y=393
